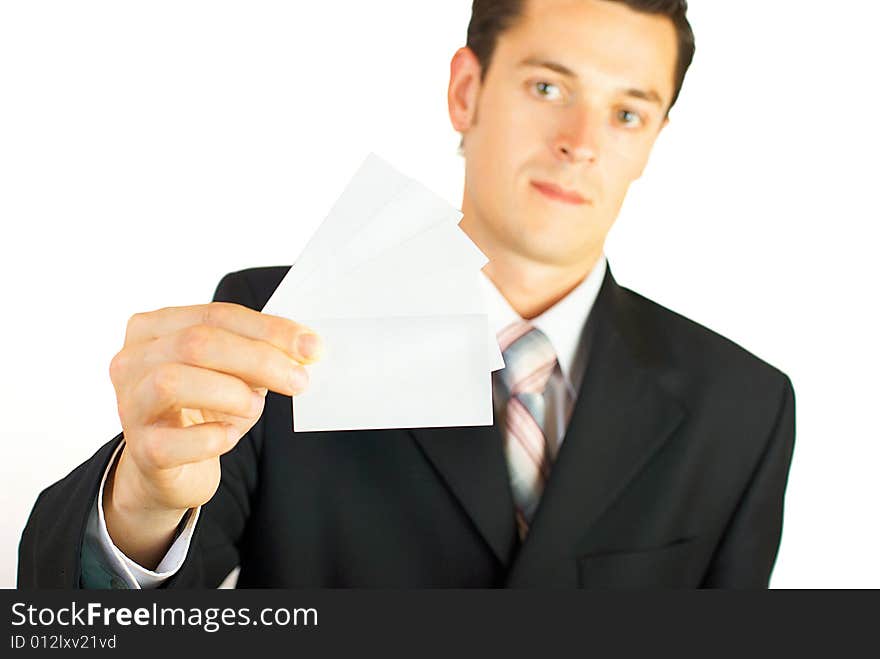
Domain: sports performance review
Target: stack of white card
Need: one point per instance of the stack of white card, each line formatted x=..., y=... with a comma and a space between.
x=392, y=285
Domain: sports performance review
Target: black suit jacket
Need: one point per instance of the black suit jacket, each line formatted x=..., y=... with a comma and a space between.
x=671, y=474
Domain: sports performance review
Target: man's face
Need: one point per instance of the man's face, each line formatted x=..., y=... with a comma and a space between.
x=568, y=100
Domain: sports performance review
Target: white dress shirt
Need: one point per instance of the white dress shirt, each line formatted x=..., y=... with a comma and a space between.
x=562, y=324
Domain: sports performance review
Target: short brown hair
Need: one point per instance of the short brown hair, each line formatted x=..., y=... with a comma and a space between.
x=489, y=18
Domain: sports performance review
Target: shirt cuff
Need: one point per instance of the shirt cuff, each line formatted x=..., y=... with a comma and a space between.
x=132, y=574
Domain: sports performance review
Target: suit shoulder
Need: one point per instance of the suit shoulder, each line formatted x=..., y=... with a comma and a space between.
x=704, y=352
x=251, y=287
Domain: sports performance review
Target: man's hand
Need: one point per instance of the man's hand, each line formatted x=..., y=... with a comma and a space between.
x=190, y=382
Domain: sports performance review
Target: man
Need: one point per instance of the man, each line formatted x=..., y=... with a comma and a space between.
x=631, y=446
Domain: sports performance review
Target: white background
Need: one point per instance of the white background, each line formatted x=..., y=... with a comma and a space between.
x=147, y=148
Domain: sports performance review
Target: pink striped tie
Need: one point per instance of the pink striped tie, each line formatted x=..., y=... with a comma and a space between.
x=529, y=361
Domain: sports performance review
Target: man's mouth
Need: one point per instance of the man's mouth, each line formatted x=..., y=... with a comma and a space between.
x=558, y=194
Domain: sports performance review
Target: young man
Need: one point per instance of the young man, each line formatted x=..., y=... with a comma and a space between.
x=631, y=446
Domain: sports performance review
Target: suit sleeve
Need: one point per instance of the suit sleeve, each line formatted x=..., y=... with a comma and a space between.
x=747, y=552
x=51, y=545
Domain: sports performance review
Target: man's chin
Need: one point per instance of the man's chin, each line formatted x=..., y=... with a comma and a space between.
x=553, y=256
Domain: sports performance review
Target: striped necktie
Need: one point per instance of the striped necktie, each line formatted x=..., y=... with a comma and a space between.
x=529, y=361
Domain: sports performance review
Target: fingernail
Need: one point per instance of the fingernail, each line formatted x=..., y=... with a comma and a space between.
x=257, y=404
x=299, y=379
x=309, y=345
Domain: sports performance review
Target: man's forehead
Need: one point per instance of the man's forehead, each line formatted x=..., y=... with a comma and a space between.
x=599, y=41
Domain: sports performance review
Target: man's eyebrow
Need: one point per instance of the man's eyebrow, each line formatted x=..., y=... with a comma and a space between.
x=650, y=96
x=548, y=64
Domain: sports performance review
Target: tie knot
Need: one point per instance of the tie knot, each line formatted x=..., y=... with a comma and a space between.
x=529, y=358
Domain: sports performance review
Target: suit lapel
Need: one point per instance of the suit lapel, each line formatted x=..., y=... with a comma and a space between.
x=471, y=462
x=621, y=418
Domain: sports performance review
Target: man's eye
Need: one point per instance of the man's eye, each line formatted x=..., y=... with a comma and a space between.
x=548, y=90
x=629, y=118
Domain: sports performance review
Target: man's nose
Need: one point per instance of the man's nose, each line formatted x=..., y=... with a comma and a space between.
x=578, y=137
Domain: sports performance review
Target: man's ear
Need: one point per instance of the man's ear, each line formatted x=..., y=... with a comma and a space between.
x=464, y=89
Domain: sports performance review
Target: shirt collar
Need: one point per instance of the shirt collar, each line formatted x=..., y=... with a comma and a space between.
x=562, y=323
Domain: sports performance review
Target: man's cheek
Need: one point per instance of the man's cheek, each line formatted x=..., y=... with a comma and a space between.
x=619, y=170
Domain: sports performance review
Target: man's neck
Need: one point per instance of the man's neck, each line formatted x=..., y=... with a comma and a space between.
x=531, y=288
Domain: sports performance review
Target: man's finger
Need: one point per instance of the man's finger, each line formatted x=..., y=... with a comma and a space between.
x=257, y=363
x=166, y=448
x=171, y=387
x=284, y=334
